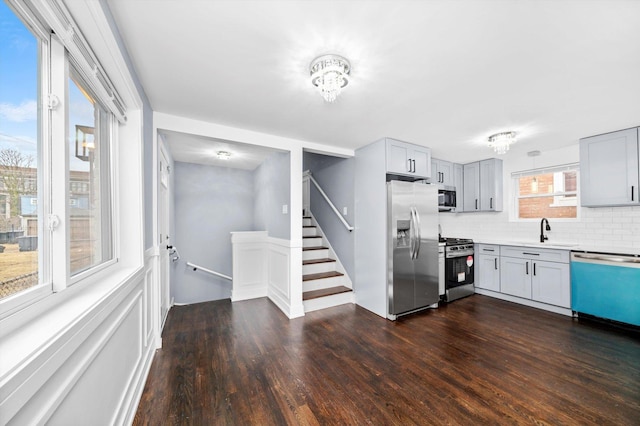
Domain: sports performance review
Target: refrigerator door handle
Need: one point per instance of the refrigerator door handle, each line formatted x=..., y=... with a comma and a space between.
x=411, y=235
x=411, y=231
x=418, y=234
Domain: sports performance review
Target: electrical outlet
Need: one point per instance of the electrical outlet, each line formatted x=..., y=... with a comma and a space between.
x=344, y=211
x=285, y=209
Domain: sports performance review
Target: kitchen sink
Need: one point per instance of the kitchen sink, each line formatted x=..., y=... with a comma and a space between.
x=543, y=245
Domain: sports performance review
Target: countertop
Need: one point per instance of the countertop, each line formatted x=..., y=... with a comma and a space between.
x=561, y=245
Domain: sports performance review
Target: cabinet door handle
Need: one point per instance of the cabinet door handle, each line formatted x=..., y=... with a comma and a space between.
x=486, y=249
x=526, y=265
x=409, y=165
x=632, y=190
x=491, y=203
x=476, y=204
x=495, y=263
x=530, y=254
x=534, y=269
x=414, y=165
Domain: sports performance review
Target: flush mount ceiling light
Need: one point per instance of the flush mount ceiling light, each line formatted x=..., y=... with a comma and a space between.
x=223, y=155
x=330, y=74
x=500, y=142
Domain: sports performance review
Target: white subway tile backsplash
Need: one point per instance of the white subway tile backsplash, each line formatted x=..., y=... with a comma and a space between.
x=598, y=228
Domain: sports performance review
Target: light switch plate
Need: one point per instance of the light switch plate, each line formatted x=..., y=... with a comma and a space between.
x=344, y=211
x=285, y=209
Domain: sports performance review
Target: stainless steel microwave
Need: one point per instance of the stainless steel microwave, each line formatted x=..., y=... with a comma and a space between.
x=446, y=198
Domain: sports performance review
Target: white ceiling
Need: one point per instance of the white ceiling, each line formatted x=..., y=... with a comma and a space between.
x=443, y=74
x=202, y=150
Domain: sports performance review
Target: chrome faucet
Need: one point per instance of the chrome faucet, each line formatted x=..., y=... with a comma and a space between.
x=542, y=236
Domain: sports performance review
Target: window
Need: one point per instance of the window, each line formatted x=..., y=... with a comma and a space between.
x=41, y=184
x=90, y=227
x=21, y=257
x=550, y=193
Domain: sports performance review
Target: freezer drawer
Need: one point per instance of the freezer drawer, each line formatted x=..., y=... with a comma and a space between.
x=606, y=286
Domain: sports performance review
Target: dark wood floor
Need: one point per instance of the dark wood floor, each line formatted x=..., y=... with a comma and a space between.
x=476, y=361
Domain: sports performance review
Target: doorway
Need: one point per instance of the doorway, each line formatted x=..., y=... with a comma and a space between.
x=164, y=170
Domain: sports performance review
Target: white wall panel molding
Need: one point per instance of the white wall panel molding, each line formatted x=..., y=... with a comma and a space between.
x=262, y=267
x=281, y=287
x=152, y=321
x=249, y=265
x=100, y=360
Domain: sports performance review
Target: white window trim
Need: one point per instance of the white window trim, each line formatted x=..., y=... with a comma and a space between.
x=53, y=77
x=514, y=196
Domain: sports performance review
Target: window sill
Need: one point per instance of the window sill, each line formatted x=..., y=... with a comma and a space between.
x=32, y=331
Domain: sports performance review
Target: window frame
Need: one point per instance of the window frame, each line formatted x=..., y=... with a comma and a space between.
x=54, y=62
x=515, y=192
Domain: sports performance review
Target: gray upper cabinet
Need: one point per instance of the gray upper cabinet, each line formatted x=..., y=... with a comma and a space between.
x=442, y=172
x=609, y=173
x=483, y=186
x=458, y=182
x=491, y=185
x=407, y=159
x=471, y=187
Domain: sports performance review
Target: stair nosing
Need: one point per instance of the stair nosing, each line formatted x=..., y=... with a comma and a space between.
x=322, y=275
x=342, y=289
x=317, y=261
x=315, y=248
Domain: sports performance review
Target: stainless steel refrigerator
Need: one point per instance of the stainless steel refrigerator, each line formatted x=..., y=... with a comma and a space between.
x=412, y=247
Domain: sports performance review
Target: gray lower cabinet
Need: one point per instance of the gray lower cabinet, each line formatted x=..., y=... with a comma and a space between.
x=542, y=275
x=535, y=274
x=488, y=267
x=551, y=283
x=515, y=276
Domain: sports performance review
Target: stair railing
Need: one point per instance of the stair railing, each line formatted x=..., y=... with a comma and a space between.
x=333, y=207
x=217, y=274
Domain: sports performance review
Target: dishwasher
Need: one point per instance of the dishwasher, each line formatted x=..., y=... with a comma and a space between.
x=606, y=286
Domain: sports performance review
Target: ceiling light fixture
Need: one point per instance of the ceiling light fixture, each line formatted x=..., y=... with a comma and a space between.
x=500, y=142
x=330, y=74
x=223, y=155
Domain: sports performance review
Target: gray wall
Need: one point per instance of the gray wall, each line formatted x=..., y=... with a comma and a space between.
x=147, y=132
x=210, y=202
x=272, y=180
x=336, y=178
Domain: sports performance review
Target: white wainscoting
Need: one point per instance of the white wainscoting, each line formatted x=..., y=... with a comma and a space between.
x=94, y=370
x=249, y=265
x=264, y=266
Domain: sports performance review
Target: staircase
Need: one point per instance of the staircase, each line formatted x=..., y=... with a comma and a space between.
x=323, y=283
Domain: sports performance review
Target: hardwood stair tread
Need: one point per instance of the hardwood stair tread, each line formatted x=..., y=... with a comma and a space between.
x=314, y=261
x=315, y=248
x=314, y=294
x=321, y=275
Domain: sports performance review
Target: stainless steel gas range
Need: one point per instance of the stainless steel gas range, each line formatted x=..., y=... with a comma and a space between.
x=459, y=266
